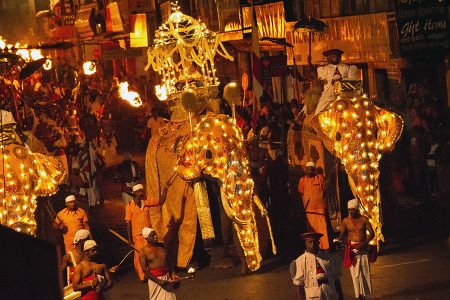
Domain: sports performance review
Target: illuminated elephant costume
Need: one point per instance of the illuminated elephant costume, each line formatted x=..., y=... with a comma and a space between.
x=24, y=176
x=191, y=145
x=213, y=148
x=358, y=132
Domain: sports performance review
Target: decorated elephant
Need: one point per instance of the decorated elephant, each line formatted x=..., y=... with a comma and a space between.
x=358, y=132
x=175, y=162
x=25, y=176
x=192, y=145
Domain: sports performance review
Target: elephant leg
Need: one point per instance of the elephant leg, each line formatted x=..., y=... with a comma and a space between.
x=228, y=234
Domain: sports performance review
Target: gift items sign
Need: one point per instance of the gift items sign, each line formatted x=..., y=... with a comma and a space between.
x=422, y=25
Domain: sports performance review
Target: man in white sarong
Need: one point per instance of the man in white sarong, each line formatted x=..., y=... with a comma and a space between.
x=358, y=252
x=332, y=72
x=312, y=272
x=162, y=280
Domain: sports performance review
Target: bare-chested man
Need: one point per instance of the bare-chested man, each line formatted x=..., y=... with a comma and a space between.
x=89, y=277
x=355, y=227
x=162, y=280
x=72, y=258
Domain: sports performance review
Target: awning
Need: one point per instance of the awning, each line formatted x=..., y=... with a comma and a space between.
x=363, y=38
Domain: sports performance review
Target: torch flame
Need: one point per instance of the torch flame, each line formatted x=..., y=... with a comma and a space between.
x=89, y=68
x=48, y=64
x=24, y=54
x=36, y=54
x=161, y=92
x=132, y=97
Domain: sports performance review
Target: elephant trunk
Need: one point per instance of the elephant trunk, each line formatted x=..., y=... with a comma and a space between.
x=239, y=208
x=216, y=149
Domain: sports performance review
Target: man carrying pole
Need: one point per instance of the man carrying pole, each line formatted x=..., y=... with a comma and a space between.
x=162, y=280
x=137, y=216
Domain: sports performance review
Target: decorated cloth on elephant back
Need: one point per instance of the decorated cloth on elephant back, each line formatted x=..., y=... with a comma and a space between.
x=177, y=206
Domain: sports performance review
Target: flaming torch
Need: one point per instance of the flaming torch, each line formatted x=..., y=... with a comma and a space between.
x=36, y=54
x=48, y=65
x=132, y=97
x=89, y=68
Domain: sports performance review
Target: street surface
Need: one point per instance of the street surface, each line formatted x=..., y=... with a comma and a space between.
x=419, y=272
x=415, y=267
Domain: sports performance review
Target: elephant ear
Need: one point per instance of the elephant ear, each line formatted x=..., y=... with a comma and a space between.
x=390, y=126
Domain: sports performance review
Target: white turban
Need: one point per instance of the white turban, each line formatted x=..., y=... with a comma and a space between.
x=81, y=234
x=146, y=232
x=89, y=244
x=310, y=164
x=70, y=198
x=137, y=187
x=353, y=204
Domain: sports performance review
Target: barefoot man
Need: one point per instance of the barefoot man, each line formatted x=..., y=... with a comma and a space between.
x=162, y=280
x=89, y=277
x=355, y=227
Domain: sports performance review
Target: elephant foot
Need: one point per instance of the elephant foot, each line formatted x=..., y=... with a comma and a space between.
x=244, y=269
x=224, y=263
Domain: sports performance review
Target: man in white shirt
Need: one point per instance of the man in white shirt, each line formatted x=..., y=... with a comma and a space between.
x=313, y=273
x=333, y=72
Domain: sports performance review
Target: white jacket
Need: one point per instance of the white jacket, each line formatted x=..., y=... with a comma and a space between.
x=303, y=272
x=327, y=73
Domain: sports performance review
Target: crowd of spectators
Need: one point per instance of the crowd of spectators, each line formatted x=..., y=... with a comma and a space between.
x=82, y=119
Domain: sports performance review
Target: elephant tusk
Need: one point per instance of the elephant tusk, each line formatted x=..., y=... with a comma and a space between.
x=261, y=207
x=265, y=213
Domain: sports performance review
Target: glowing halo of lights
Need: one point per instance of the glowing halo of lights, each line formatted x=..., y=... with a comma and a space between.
x=359, y=132
x=183, y=54
x=36, y=54
x=89, y=68
x=130, y=96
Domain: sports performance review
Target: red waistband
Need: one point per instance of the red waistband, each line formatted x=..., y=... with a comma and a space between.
x=158, y=272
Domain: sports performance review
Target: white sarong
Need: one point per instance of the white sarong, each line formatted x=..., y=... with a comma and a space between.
x=361, y=274
x=156, y=292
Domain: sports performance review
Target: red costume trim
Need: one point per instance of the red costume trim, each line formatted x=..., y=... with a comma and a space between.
x=350, y=256
x=158, y=272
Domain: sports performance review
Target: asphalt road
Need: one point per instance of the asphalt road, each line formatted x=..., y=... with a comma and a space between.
x=415, y=270
x=408, y=269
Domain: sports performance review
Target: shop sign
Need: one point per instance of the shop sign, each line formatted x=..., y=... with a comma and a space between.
x=422, y=25
x=67, y=12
